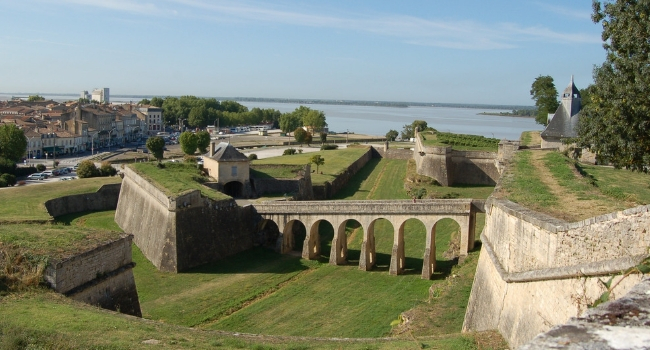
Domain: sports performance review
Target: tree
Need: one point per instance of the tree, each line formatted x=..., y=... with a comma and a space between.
x=13, y=142
x=409, y=130
x=615, y=123
x=317, y=160
x=391, y=135
x=35, y=98
x=156, y=101
x=302, y=136
x=314, y=119
x=87, y=169
x=198, y=117
x=106, y=169
x=544, y=93
x=156, y=146
x=323, y=137
x=289, y=122
x=144, y=101
x=188, y=142
x=203, y=141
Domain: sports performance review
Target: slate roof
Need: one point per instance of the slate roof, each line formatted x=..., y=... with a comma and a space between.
x=565, y=120
x=226, y=152
x=562, y=125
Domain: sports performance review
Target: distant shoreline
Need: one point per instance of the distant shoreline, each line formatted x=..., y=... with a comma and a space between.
x=506, y=115
x=393, y=104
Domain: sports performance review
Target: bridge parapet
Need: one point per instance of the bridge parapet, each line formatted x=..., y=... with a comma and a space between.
x=407, y=207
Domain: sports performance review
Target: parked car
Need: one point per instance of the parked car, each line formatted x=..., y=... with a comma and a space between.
x=48, y=173
x=75, y=167
x=37, y=176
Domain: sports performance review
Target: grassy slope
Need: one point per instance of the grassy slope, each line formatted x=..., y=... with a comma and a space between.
x=27, y=202
x=571, y=191
x=282, y=287
x=336, y=161
x=176, y=178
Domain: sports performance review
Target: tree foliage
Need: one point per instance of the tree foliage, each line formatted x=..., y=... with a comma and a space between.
x=156, y=146
x=391, y=135
x=203, y=141
x=189, y=142
x=314, y=119
x=289, y=122
x=106, y=169
x=302, y=136
x=87, y=169
x=35, y=98
x=13, y=142
x=544, y=93
x=615, y=123
x=409, y=129
x=317, y=160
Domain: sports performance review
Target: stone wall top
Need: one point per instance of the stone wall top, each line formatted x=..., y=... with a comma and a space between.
x=425, y=206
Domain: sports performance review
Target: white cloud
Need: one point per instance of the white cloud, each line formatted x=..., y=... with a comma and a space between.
x=466, y=35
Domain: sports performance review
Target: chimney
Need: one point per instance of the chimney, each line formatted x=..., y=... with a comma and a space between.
x=211, y=149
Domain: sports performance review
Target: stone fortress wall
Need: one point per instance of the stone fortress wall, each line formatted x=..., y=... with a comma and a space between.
x=450, y=167
x=101, y=276
x=535, y=271
x=178, y=233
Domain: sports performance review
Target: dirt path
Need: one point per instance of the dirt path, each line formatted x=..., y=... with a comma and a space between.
x=571, y=206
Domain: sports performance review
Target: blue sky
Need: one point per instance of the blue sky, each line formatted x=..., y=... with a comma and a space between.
x=424, y=51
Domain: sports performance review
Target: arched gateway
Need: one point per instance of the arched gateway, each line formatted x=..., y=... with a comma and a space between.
x=337, y=213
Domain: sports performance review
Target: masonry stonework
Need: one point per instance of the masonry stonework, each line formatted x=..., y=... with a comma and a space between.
x=535, y=271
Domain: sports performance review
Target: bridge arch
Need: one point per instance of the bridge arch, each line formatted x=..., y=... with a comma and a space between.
x=293, y=235
x=367, y=214
x=313, y=241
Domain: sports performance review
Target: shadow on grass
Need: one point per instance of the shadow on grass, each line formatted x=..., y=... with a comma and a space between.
x=256, y=260
x=353, y=186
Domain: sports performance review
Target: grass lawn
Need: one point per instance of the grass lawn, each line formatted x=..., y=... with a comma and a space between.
x=53, y=240
x=176, y=178
x=259, y=291
x=27, y=202
x=549, y=182
x=459, y=142
x=336, y=161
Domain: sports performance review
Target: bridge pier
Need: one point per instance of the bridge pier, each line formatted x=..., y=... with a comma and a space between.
x=311, y=246
x=429, y=258
x=339, y=252
x=368, y=253
x=397, y=256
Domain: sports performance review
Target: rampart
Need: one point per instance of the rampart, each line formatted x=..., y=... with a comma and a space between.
x=450, y=167
x=329, y=189
x=178, y=233
x=104, y=199
x=300, y=187
x=101, y=276
x=535, y=271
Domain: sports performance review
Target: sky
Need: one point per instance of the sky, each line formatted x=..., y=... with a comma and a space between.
x=484, y=52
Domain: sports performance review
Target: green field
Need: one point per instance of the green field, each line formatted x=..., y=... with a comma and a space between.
x=24, y=203
x=259, y=291
x=176, y=178
x=336, y=161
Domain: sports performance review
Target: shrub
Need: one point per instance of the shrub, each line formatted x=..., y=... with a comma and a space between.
x=3, y=182
x=7, y=166
x=328, y=146
x=289, y=151
x=252, y=156
x=40, y=167
x=9, y=179
x=87, y=169
x=190, y=159
x=107, y=170
x=25, y=171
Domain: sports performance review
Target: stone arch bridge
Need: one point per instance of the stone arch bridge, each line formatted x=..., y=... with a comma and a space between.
x=397, y=212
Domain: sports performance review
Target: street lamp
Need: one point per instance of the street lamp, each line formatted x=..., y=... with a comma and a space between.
x=92, y=143
x=109, y=139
